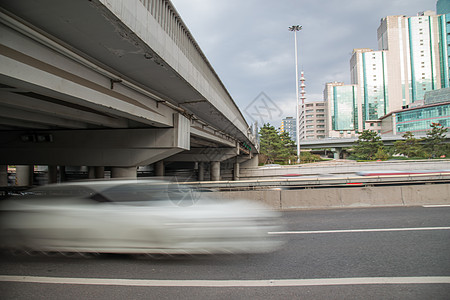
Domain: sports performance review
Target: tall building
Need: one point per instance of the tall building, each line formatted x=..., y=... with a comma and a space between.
x=289, y=125
x=368, y=72
x=444, y=44
x=413, y=56
x=315, y=120
x=412, y=59
x=443, y=7
x=342, y=109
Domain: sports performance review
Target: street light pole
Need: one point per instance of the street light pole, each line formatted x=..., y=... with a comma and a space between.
x=296, y=28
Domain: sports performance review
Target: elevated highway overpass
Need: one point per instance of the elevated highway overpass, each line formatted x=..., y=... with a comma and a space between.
x=117, y=84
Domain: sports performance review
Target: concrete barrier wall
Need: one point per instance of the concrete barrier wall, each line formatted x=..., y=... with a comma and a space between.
x=408, y=195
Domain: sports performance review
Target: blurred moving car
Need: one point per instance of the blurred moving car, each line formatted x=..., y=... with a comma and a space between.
x=133, y=216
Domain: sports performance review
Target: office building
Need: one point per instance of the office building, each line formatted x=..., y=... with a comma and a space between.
x=368, y=72
x=417, y=119
x=413, y=57
x=289, y=125
x=315, y=116
x=342, y=109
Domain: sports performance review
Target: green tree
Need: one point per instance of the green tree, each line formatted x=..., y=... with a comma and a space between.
x=270, y=142
x=308, y=157
x=287, y=152
x=434, y=141
x=409, y=147
x=368, y=145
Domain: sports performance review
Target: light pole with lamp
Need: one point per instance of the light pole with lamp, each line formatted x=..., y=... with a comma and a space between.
x=296, y=28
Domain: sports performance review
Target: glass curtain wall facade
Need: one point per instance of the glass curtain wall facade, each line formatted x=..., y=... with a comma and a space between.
x=422, y=54
x=418, y=120
x=374, y=91
x=368, y=70
x=414, y=55
x=444, y=49
x=343, y=108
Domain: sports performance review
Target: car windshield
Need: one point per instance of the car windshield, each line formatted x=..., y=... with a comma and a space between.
x=146, y=194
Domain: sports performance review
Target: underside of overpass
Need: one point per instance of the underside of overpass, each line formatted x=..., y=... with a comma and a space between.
x=111, y=83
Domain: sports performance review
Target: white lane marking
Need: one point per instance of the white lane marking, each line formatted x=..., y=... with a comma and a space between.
x=359, y=230
x=230, y=283
x=436, y=205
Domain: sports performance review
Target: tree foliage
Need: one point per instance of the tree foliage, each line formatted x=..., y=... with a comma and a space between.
x=434, y=141
x=409, y=147
x=277, y=148
x=369, y=146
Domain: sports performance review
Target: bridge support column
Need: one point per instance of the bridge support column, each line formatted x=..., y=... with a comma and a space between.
x=251, y=163
x=62, y=173
x=24, y=175
x=52, y=174
x=3, y=175
x=215, y=170
x=123, y=172
x=336, y=152
x=96, y=172
x=201, y=171
x=159, y=168
x=236, y=171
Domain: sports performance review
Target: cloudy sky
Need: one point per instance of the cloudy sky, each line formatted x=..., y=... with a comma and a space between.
x=251, y=49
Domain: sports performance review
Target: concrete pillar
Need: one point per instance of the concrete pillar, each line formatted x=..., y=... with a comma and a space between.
x=24, y=175
x=215, y=170
x=96, y=172
x=62, y=173
x=123, y=172
x=3, y=175
x=251, y=163
x=336, y=152
x=159, y=168
x=52, y=174
x=201, y=171
x=236, y=171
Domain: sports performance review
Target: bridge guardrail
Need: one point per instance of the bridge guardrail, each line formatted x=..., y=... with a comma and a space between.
x=295, y=183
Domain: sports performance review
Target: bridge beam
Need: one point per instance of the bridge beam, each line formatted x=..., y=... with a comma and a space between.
x=205, y=155
x=105, y=147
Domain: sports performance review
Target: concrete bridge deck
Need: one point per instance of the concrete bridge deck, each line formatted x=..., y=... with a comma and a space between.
x=111, y=83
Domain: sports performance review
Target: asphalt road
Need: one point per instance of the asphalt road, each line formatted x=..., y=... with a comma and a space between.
x=376, y=253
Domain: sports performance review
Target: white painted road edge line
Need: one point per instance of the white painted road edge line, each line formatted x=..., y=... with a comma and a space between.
x=359, y=230
x=436, y=205
x=229, y=283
